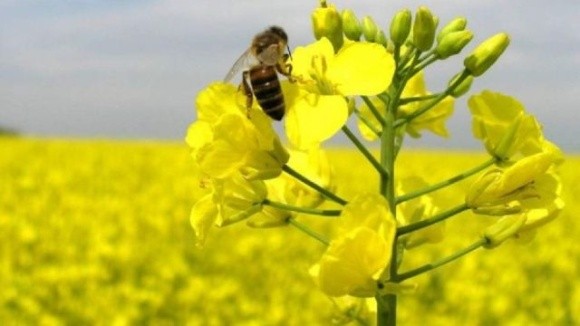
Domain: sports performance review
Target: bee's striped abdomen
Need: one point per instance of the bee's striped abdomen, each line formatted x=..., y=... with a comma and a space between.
x=266, y=88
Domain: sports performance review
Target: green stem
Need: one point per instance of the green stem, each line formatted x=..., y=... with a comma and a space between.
x=364, y=150
x=432, y=220
x=431, y=104
x=374, y=110
x=447, y=182
x=313, y=185
x=424, y=63
x=408, y=100
x=367, y=123
x=425, y=268
x=305, y=210
x=308, y=231
x=387, y=305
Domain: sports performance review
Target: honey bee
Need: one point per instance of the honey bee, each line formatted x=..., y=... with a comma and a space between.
x=265, y=57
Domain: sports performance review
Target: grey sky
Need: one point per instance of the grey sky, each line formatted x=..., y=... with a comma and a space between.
x=131, y=69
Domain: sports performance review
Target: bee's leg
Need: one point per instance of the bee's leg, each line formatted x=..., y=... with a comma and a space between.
x=247, y=91
x=285, y=69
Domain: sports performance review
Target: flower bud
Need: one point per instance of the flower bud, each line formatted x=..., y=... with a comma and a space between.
x=456, y=25
x=503, y=229
x=326, y=22
x=369, y=28
x=401, y=27
x=350, y=25
x=462, y=88
x=486, y=54
x=478, y=189
x=381, y=38
x=424, y=29
x=452, y=43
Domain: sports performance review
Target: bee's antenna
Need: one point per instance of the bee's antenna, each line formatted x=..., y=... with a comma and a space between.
x=289, y=53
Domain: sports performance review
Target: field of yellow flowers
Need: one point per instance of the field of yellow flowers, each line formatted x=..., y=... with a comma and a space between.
x=98, y=232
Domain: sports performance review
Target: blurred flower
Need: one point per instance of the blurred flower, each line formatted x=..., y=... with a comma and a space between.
x=358, y=257
x=286, y=189
x=316, y=104
x=231, y=200
x=416, y=210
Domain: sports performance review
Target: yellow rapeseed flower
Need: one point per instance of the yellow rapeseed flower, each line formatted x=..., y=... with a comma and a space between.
x=359, y=256
x=515, y=186
x=317, y=107
x=504, y=127
x=225, y=141
x=231, y=200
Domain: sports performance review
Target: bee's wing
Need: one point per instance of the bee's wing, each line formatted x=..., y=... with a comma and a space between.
x=241, y=63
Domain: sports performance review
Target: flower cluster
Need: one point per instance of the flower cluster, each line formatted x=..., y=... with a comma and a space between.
x=380, y=82
x=525, y=183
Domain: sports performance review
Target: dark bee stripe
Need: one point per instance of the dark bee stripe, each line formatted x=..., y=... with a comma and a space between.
x=266, y=88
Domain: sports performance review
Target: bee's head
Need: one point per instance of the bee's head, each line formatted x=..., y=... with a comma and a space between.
x=280, y=32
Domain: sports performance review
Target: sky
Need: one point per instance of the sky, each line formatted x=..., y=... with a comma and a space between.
x=131, y=69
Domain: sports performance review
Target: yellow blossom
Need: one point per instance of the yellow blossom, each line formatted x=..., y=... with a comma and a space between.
x=316, y=104
x=231, y=200
x=314, y=165
x=358, y=257
x=519, y=185
x=539, y=210
x=504, y=127
x=225, y=141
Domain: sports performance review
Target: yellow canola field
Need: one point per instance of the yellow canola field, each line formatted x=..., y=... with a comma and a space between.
x=97, y=232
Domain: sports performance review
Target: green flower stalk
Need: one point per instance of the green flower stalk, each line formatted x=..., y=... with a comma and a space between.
x=249, y=174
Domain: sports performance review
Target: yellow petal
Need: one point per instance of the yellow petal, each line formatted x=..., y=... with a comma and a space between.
x=352, y=264
x=361, y=69
x=220, y=159
x=314, y=118
x=203, y=216
x=369, y=210
x=199, y=133
x=216, y=100
x=302, y=57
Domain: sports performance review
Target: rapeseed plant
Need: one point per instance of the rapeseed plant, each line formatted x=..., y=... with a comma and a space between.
x=250, y=176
